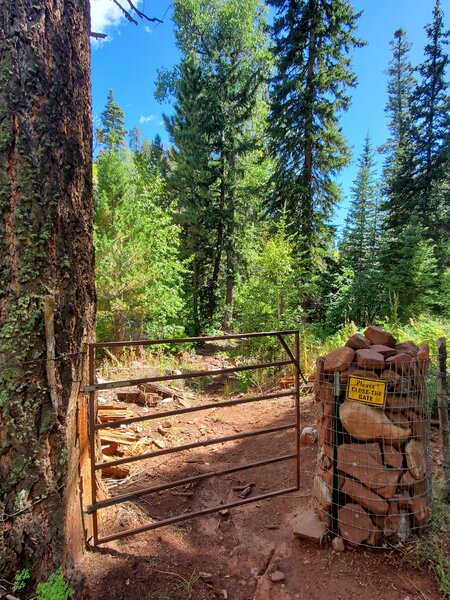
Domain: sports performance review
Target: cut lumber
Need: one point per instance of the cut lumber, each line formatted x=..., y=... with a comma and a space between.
x=116, y=472
x=164, y=390
x=126, y=438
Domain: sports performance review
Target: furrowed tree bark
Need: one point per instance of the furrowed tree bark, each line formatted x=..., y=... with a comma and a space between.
x=47, y=294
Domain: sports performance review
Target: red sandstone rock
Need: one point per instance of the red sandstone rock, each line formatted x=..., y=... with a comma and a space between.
x=408, y=347
x=355, y=524
x=386, y=351
x=421, y=511
x=365, y=423
x=375, y=537
x=418, y=425
x=325, y=427
x=338, y=544
x=364, y=462
x=307, y=526
x=398, y=419
x=392, y=457
x=325, y=393
x=365, y=497
x=407, y=480
x=376, y=335
x=423, y=358
x=339, y=360
x=415, y=458
x=392, y=521
x=369, y=359
x=357, y=342
x=363, y=373
x=396, y=402
x=400, y=362
x=392, y=377
x=308, y=436
x=321, y=514
x=322, y=492
x=404, y=500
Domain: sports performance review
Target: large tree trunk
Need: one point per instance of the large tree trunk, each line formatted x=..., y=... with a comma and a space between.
x=211, y=293
x=47, y=291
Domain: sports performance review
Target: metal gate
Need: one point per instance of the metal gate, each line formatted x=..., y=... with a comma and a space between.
x=94, y=426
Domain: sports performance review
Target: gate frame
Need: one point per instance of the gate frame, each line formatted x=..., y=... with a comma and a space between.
x=92, y=388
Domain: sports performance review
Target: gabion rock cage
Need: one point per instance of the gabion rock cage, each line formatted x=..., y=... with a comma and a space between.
x=373, y=479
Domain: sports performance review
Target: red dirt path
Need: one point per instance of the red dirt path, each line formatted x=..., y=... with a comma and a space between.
x=231, y=556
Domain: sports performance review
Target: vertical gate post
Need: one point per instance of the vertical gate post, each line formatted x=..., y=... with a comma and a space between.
x=297, y=403
x=442, y=399
x=92, y=442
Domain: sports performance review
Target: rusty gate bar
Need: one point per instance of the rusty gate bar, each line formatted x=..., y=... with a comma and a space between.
x=201, y=339
x=112, y=385
x=184, y=481
x=201, y=444
x=181, y=411
x=191, y=515
x=92, y=388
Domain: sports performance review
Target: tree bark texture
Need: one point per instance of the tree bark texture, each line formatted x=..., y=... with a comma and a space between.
x=47, y=294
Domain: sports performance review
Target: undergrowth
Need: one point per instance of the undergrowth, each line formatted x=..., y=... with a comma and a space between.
x=432, y=549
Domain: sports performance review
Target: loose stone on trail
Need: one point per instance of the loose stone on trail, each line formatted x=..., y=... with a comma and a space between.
x=307, y=526
x=308, y=436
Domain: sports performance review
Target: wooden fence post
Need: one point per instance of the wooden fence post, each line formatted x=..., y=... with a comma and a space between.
x=442, y=399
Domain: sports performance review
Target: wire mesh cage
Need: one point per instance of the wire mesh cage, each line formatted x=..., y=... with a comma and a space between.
x=372, y=484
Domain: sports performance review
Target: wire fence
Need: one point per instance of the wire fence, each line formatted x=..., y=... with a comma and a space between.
x=373, y=478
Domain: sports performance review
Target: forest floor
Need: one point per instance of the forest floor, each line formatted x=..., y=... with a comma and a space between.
x=231, y=555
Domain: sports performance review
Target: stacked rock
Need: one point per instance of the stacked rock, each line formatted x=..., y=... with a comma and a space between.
x=372, y=479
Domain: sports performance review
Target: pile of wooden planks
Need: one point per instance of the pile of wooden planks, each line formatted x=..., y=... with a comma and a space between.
x=115, y=441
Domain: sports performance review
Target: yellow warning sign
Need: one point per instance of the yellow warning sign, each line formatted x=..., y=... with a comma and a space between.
x=369, y=391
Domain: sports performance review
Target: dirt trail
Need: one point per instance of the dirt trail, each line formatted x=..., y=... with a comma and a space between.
x=231, y=556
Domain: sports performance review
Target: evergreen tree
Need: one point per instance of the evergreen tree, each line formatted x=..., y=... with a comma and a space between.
x=313, y=42
x=431, y=102
x=431, y=112
x=227, y=40
x=361, y=232
x=399, y=167
x=135, y=139
x=112, y=133
x=192, y=174
x=409, y=270
x=138, y=271
x=360, y=245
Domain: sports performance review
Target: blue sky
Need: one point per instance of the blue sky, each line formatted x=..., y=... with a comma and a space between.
x=130, y=58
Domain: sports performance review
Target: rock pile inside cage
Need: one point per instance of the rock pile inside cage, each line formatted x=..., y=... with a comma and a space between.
x=372, y=481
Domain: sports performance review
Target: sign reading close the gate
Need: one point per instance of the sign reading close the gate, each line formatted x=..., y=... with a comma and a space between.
x=368, y=391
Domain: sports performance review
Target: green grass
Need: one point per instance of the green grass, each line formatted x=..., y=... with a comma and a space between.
x=432, y=550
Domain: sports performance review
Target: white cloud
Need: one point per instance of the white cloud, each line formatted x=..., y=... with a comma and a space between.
x=105, y=15
x=146, y=118
x=148, y=29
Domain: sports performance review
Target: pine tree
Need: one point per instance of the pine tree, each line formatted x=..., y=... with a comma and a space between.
x=112, y=133
x=431, y=102
x=313, y=44
x=360, y=246
x=361, y=232
x=410, y=269
x=135, y=139
x=227, y=40
x=431, y=112
x=192, y=175
x=400, y=161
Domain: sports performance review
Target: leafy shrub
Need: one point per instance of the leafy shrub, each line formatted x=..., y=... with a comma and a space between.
x=55, y=588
